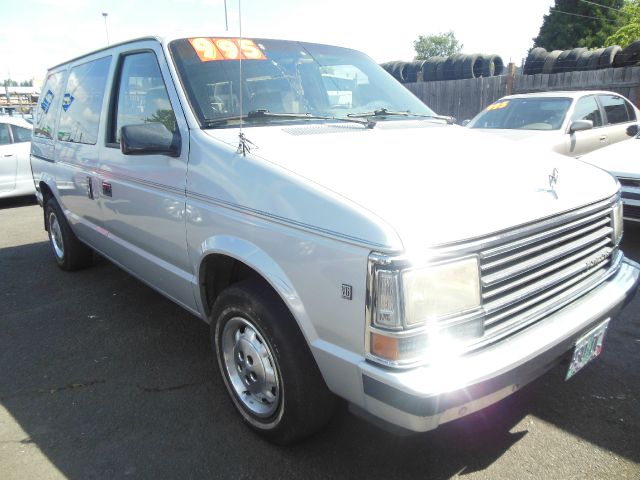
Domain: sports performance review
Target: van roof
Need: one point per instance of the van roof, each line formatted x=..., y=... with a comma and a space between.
x=133, y=40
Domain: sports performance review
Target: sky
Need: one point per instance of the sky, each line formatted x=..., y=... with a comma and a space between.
x=37, y=34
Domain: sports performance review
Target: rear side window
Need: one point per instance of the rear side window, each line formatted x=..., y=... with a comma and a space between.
x=45, y=120
x=587, y=109
x=616, y=109
x=82, y=102
x=5, y=138
x=142, y=95
x=20, y=135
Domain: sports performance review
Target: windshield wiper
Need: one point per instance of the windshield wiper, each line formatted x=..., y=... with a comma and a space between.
x=303, y=116
x=383, y=112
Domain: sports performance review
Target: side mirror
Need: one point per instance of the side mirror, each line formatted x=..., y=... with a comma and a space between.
x=149, y=139
x=579, y=125
x=465, y=122
x=633, y=130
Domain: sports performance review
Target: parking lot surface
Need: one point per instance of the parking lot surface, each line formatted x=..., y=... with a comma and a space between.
x=101, y=377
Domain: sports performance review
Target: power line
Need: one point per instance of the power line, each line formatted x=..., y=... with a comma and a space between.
x=579, y=15
x=603, y=6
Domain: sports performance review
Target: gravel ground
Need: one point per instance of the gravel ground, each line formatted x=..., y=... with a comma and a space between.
x=101, y=377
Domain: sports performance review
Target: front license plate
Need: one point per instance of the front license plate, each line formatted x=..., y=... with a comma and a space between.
x=587, y=348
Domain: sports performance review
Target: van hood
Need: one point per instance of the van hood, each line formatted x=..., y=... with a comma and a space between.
x=431, y=183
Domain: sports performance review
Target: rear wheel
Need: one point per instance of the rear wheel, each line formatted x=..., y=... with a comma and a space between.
x=69, y=252
x=267, y=368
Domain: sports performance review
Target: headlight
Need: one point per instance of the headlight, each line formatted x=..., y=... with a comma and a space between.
x=440, y=291
x=616, y=216
x=419, y=309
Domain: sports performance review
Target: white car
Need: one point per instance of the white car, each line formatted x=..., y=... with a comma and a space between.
x=621, y=160
x=570, y=123
x=15, y=169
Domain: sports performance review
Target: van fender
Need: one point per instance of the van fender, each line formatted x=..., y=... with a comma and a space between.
x=264, y=265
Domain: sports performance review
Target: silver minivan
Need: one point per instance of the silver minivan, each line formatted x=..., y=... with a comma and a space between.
x=341, y=239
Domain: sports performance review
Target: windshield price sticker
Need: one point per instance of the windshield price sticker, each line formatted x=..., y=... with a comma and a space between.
x=214, y=49
x=497, y=106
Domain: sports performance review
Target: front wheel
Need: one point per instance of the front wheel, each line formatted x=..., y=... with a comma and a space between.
x=266, y=365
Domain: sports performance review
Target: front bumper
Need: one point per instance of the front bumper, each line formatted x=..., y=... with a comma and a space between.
x=423, y=398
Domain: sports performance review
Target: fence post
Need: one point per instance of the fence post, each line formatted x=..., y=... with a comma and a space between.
x=511, y=74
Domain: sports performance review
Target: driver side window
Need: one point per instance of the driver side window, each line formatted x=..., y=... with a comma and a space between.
x=142, y=95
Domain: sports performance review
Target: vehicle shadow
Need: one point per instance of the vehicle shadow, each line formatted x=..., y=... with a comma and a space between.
x=109, y=379
x=14, y=202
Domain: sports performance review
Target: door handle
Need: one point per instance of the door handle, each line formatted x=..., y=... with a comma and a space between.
x=106, y=189
x=603, y=138
x=9, y=155
x=89, y=188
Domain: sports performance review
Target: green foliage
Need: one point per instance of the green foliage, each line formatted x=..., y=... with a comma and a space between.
x=573, y=23
x=442, y=44
x=630, y=31
x=166, y=117
x=12, y=83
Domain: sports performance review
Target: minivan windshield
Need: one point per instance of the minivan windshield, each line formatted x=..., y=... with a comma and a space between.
x=303, y=80
x=538, y=113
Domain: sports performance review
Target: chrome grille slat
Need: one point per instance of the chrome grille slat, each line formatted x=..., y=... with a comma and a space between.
x=519, y=306
x=533, y=312
x=523, y=278
x=547, y=244
x=514, y=245
x=535, y=288
x=544, y=258
x=538, y=273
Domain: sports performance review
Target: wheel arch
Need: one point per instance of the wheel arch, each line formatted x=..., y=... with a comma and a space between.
x=226, y=260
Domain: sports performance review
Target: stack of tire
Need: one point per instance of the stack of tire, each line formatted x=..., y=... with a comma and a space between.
x=540, y=60
x=455, y=67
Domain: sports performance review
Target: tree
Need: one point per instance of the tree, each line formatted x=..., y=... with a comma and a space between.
x=442, y=44
x=577, y=23
x=9, y=83
x=27, y=83
x=629, y=32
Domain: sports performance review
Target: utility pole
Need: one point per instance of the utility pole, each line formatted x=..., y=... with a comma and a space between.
x=104, y=14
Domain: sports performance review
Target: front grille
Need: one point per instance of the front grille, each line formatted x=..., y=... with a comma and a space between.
x=527, y=277
x=629, y=182
x=631, y=211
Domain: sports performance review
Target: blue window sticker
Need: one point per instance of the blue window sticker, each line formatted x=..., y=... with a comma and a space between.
x=47, y=101
x=66, y=101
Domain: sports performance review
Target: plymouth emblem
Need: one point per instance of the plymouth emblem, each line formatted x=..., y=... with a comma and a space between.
x=553, y=179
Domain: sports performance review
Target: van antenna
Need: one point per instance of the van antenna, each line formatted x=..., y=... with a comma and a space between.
x=244, y=142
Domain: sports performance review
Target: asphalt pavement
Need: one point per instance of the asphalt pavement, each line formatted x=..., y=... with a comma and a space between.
x=101, y=377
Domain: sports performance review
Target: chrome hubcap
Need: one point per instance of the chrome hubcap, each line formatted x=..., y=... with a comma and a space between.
x=250, y=367
x=56, y=235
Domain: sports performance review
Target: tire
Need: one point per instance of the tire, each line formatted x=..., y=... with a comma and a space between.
x=440, y=70
x=550, y=61
x=429, y=68
x=559, y=65
x=607, y=58
x=583, y=61
x=69, y=252
x=458, y=66
x=488, y=66
x=415, y=68
x=471, y=66
x=395, y=69
x=267, y=369
x=535, y=61
x=594, y=59
x=571, y=61
x=629, y=56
